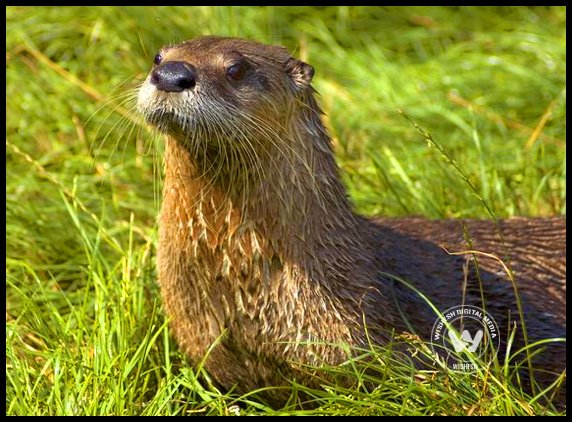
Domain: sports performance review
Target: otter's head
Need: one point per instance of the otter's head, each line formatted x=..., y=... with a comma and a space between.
x=223, y=91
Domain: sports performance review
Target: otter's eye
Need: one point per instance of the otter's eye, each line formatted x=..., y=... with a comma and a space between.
x=236, y=72
x=157, y=59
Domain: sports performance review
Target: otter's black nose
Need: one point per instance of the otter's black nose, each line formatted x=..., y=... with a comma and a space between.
x=174, y=77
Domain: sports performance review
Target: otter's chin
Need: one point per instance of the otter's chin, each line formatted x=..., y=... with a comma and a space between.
x=166, y=121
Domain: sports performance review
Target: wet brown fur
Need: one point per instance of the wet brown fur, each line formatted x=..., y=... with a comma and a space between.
x=261, y=252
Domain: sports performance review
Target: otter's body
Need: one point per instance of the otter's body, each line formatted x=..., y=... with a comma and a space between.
x=261, y=253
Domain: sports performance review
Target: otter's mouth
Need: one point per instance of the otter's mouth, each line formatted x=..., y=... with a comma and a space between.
x=164, y=121
x=167, y=121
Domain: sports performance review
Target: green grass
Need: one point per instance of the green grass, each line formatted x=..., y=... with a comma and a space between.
x=85, y=330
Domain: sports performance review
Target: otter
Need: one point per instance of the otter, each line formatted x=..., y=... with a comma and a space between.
x=262, y=263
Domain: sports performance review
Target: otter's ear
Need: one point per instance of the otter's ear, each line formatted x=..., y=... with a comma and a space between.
x=301, y=73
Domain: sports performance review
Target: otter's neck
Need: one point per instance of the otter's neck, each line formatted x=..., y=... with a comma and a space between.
x=295, y=202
